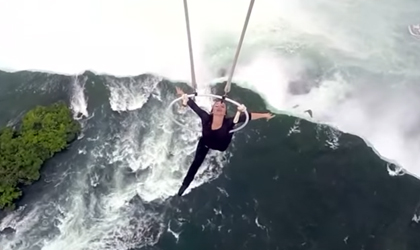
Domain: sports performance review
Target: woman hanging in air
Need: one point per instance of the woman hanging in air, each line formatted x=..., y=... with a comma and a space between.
x=215, y=132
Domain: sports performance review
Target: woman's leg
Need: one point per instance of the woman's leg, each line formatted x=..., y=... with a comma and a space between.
x=200, y=155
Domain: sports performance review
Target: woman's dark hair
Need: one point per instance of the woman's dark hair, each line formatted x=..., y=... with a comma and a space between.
x=217, y=100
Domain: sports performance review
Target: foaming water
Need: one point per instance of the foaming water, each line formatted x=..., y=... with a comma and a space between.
x=126, y=163
x=79, y=99
x=364, y=81
x=351, y=62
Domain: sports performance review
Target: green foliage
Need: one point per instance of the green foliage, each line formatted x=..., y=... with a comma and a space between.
x=45, y=130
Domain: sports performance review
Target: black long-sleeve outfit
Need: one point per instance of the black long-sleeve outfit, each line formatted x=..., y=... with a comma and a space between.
x=218, y=139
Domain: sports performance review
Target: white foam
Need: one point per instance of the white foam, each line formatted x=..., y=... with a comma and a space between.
x=78, y=100
x=131, y=94
x=387, y=124
x=164, y=155
x=132, y=37
x=104, y=214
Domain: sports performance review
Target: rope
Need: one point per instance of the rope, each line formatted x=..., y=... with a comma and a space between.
x=238, y=49
x=187, y=20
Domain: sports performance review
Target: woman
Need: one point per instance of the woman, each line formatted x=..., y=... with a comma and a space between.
x=215, y=133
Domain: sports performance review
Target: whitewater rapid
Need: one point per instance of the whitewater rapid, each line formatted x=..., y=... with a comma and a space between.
x=353, y=61
x=95, y=200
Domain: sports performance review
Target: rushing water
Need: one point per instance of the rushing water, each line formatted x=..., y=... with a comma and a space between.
x=352, y=63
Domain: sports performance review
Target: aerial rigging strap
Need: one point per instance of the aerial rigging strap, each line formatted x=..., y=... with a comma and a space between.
x=229, y=81
x=187, y=21
x=238, y=49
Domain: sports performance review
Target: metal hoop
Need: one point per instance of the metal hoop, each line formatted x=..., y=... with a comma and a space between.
x=215, y=96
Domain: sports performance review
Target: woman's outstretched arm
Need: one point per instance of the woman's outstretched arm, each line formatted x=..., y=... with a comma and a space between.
x=256, y=116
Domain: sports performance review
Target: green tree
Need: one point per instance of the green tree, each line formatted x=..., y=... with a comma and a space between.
x=44, y=131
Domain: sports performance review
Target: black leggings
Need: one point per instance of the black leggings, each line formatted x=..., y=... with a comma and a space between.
x=200, y=155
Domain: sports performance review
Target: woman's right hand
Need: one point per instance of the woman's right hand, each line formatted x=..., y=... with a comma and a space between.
x=179, y=91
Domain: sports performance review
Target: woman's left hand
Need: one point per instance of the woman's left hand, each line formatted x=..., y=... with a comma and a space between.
x=268, y=116
x=241, y=108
